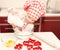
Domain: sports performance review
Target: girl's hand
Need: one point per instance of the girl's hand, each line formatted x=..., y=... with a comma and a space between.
x=20, y=28
x=29, y=20
x=14, y=26
x=23, y=27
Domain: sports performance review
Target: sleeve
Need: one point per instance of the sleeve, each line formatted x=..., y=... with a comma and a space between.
x=35, y=10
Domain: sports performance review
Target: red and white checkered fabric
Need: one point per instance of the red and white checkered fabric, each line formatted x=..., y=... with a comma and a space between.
x=24, y=26
x=35, y=9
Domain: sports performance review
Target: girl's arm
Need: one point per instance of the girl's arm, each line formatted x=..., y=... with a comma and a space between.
x=35, y=9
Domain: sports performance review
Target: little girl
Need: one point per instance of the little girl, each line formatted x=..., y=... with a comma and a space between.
x=16, y=18
x=34, y=10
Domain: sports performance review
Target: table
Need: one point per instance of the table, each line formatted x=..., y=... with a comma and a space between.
x=44, y=45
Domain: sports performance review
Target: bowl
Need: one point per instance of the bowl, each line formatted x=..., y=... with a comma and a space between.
x=23, y=35
x=26, y=33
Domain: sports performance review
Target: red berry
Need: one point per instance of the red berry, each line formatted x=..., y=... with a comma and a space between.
x=30, y=46
x=37, y=43
x=15, y=47
x=18, y=46
x=37, y=48
x=25, y=43
x=31, y=40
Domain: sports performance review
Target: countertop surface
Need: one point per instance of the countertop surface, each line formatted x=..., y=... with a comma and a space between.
x=44, y=45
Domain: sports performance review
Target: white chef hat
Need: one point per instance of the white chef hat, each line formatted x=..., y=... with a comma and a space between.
x=9, y=9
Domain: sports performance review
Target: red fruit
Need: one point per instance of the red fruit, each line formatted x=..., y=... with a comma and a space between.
x=37, y=48
x=29, y=46
x=15, y=47
x=25, y=43
x=18, y=46
x=31, y=40
x=37, y=43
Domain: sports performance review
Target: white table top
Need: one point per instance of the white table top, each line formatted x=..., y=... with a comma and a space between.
x=44, y=45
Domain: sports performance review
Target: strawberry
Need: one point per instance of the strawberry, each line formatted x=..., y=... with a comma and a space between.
x=37, y=48
x=31, y=40
x=29, y=46
x=18, y=46
x=37, y=43
x=25, y=43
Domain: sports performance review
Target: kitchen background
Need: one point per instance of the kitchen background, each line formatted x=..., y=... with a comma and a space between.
x=48, y=23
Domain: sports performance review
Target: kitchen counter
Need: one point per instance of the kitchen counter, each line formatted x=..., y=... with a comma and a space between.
x=44, y=46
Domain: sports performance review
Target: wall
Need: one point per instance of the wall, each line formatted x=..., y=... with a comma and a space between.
x=54, y=4
x=57, y=5
x=10, y=3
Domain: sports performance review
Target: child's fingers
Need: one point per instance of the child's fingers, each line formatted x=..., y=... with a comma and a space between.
x=13, y=25
x=20, y=28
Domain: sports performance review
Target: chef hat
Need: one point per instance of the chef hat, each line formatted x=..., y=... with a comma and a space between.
x=13, y=9
x=9, y=9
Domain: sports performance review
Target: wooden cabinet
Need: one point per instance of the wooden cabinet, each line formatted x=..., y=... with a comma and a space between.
x=4, y=25
x=49, y=24
x=37, y=26
x=43, y=24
